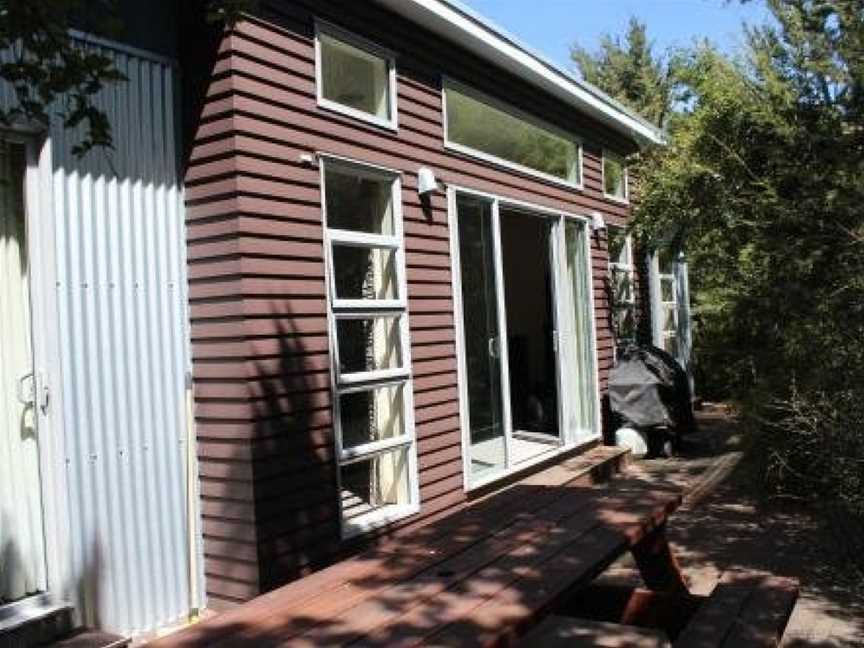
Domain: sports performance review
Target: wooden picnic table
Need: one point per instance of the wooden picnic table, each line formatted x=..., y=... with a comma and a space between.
x=482, y=576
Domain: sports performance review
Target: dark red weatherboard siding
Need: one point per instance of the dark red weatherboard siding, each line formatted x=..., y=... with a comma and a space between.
x=256, y=272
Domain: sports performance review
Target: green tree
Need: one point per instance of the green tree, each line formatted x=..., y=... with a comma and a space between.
x=52, y=73
x=629, y=71
x=763, y=178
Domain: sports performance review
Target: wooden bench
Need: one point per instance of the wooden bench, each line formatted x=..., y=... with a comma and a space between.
x=743, y=611
x=482, y=576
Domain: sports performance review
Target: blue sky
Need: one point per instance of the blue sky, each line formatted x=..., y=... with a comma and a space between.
x=551, y=26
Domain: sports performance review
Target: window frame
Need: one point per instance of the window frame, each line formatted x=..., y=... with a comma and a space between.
x=630, y=270
x=612, y=156
x=570, y=443
x=352, y=382
x=371, y=50
x=482, y=97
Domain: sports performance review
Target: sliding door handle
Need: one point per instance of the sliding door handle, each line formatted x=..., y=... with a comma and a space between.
x=26, y=396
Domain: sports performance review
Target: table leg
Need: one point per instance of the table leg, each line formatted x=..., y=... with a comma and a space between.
x=658, y=566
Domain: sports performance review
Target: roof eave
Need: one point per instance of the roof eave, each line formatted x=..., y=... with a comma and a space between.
x=457, y=23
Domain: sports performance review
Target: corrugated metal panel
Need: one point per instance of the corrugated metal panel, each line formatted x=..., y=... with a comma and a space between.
x=122, y=305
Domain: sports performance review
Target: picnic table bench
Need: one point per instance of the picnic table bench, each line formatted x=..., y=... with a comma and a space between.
x=482, y=576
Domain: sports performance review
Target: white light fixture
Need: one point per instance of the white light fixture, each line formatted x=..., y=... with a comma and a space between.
x=426, y=182
x=597, y=221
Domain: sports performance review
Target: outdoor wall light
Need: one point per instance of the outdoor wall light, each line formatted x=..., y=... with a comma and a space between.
x=426, y=182
x=597, y=221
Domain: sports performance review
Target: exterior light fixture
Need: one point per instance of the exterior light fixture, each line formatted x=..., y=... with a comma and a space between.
x=426, y=182
x=597, y=221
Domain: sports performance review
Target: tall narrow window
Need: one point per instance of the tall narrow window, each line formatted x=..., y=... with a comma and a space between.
x=668, y=311
x=622, y=293
x=355, y=77
x=373, y=401
x=615, y=177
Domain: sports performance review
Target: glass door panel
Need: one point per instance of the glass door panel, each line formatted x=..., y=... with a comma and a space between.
x=22, y=553
x=482, y=353
x=529, y=297
x=577, y=336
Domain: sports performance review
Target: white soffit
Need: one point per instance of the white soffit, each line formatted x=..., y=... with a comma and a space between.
x=456, y=22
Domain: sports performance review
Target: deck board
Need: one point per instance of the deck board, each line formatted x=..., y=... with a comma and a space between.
x=492, y=568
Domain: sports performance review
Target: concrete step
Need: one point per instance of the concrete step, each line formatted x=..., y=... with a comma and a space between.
x=34, y=622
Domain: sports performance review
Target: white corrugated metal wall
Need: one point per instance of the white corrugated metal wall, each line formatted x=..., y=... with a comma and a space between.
x=122, y=323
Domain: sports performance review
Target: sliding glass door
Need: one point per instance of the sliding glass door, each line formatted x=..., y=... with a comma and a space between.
x=525, y=332
x=482, y=349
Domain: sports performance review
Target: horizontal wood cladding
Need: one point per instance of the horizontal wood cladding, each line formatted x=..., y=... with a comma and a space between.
x=257, y=279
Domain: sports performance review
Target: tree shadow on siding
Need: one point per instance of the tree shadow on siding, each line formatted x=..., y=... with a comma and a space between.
x=296, y=500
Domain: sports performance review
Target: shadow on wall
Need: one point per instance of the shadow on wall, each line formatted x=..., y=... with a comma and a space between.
x=296, y=500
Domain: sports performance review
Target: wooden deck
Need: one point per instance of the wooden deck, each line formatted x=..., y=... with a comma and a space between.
x=482, y=576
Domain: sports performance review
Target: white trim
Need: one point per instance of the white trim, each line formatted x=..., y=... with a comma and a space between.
x=372, y=379
x=459, y=24
x=373, y=449
x=373, y=52
x=564, y=443
x=377, y=519
x=364, y=239
x=555, y=451
x=366, y=381
x=610, y=155
x=519, y=114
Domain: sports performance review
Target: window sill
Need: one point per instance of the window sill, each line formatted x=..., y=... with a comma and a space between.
x=367, y=118
x=474, y=154
x=525, y=465
x=617, y=200
x=377, y=519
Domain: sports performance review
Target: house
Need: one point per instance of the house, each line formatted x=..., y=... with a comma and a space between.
x=344, y=271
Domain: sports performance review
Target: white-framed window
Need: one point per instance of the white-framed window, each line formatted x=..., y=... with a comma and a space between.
x=355, y=77
x=668, y=302
x=615, y=178
x=622, y=287
x=486, y=128
x=373, y=407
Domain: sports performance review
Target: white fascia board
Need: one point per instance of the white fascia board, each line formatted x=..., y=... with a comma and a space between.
x=451, y=20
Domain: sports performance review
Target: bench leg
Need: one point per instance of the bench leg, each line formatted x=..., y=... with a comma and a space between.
x=658, y=566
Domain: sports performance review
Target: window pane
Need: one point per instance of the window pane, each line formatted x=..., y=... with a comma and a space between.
x=619, y=251
x=478, y=125
x=613, y=177
x=373, y=415
x=670, y=345
x=368, y=344
x=374, y=483
x=666, y=261
x=625, y=323
x=667, y=289
x=622, y=287
x=354, y=78
x=670, y=319
x=364, y=272
x=359, y=203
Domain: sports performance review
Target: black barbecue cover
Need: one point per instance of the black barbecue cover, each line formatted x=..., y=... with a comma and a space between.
x=648, y=388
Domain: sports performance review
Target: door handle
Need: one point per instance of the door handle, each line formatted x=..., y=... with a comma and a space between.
x=494, y=348
x=21, y=390
x=44, y=394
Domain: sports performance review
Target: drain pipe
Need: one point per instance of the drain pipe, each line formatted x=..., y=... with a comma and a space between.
x=191, y=502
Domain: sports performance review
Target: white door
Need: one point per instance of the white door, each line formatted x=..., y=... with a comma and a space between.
x=22, y=542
